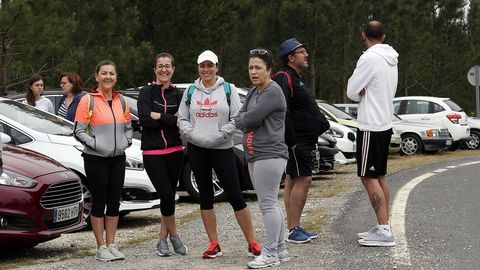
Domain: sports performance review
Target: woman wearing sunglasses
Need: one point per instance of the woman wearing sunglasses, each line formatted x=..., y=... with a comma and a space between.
x=206, y=119
x=262, y=120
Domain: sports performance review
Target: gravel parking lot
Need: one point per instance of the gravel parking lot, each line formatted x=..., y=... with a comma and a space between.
x=138, y=231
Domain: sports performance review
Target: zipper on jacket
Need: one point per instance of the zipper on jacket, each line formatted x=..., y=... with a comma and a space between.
x=114, y=129
x=164, y=111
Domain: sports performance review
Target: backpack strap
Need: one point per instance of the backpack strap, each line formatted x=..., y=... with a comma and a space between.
x=90, y=107
x=123, y=102
x=228, y=91
x=190, y=90
x=289, y=80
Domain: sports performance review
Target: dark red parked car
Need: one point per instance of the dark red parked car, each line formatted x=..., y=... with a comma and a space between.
x=39, y=199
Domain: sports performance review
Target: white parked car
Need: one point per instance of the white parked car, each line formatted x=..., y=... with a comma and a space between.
x=350, y=108
x=417, y=137
x=474, y=142
x=346, y=142
x=437, y=111
x=52, y=136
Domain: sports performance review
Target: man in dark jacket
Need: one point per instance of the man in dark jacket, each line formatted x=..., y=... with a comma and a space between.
x=304, y=123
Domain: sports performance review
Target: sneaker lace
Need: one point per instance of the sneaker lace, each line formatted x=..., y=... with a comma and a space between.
x=212, y=247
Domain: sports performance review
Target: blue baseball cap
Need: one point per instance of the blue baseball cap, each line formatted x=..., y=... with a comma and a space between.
x=288, y=46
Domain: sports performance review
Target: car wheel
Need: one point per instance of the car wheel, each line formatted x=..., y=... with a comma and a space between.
x=87, y=202
x=190, y=185
x=411, y=144
x=474, y=141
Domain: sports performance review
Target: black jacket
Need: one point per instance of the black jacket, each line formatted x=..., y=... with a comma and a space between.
x=163, y=133
x=72, y=109
x=304, y=121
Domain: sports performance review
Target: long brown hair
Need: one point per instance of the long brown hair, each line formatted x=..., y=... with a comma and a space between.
x=75, y=80
x=30, y=96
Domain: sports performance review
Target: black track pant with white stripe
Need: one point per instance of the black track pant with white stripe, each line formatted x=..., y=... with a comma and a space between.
x=372, y=152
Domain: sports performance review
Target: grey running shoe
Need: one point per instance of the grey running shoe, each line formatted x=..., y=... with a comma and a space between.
x=366, y=234
x=162, y=247
x=103, y=254
x=283, y=256
x=378, y=238
x=177, y=244
x=264, y=260
x=115, y=252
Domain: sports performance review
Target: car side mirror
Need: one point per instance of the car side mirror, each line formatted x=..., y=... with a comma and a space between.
x=4, y=138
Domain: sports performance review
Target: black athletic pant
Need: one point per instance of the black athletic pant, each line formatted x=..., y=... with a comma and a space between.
x=163, y=171
x=105, y=178
x=202, y=161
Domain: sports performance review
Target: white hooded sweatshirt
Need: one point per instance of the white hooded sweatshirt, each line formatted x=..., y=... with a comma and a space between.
x=377, y=73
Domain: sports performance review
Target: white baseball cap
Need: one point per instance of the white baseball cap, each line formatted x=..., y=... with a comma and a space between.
x=207, y=56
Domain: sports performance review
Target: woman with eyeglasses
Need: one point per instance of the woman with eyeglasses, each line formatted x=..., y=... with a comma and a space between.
x=71, y=85
x=207, y=114
x=162, y=146
x=262, y=120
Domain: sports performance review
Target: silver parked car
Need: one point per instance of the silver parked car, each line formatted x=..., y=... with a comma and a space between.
x=418, y=137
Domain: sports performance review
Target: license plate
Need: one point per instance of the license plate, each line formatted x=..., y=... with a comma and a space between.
x=448, y=142
x=65, y=213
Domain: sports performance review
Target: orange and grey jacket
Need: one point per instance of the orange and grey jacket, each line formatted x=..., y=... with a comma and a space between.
x=104, y=130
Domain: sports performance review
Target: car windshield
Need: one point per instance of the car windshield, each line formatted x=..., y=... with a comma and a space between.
x=336, y=111
x=35, y=119
x=454, y=106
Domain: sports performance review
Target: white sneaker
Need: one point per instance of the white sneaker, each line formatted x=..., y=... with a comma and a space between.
x=103, y=254
x=366, y=234
x=283, y=256
x=378, y=238
x=115, y=252
x=264, y=260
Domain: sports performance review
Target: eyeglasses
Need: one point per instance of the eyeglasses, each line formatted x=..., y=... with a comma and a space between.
x=260, y=52
x=304, y=52
x=164, y=66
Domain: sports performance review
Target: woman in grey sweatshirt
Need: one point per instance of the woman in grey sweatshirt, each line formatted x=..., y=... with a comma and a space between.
x=262, y=119
x=206, y=119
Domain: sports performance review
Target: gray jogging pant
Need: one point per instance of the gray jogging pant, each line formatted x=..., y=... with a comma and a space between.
x=266, y=176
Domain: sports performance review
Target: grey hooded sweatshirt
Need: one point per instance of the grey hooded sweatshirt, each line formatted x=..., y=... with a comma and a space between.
x=262, y=119
x=208, y=121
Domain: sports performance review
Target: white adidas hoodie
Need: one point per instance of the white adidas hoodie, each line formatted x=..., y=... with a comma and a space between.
x=377, y=73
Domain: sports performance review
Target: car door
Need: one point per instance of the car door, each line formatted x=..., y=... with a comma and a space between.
x=419, y=111
x=439, y=113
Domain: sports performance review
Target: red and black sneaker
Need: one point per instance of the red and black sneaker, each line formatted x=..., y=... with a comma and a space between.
x=254, y=249
x=213, y=251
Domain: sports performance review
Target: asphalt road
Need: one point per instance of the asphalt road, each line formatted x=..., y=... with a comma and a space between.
x=441, y=221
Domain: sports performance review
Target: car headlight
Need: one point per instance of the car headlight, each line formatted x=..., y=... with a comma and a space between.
x=133, y=164
x=432, y=133
x=17, y=180
x=337, y=133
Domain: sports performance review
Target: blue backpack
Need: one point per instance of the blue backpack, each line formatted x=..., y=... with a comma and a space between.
x=191, y=89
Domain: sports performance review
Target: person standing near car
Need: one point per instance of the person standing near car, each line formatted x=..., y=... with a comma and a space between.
x=103, y=126
x=262, y=120
x=304, y=123
x=34, y=98
x=373, y=84
x=206, y=119
x=71, y=85
x=162, y=146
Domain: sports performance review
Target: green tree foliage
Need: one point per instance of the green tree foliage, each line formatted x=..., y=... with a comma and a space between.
x=436, y=40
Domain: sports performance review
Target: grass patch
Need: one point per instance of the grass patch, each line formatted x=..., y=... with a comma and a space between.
x=317, y=219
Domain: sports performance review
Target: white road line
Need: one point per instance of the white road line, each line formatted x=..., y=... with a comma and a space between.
x=451, y=167
x=401, y=254
x=469, y=163
x=440, y=170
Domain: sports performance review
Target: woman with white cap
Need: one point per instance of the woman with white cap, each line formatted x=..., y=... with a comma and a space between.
x=206, y=119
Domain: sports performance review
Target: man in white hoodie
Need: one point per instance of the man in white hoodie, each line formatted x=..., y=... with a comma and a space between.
x=373, y=84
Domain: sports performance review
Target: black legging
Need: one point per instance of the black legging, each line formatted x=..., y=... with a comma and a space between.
x=202, y=160
x=105, y=178
x=163, y=171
